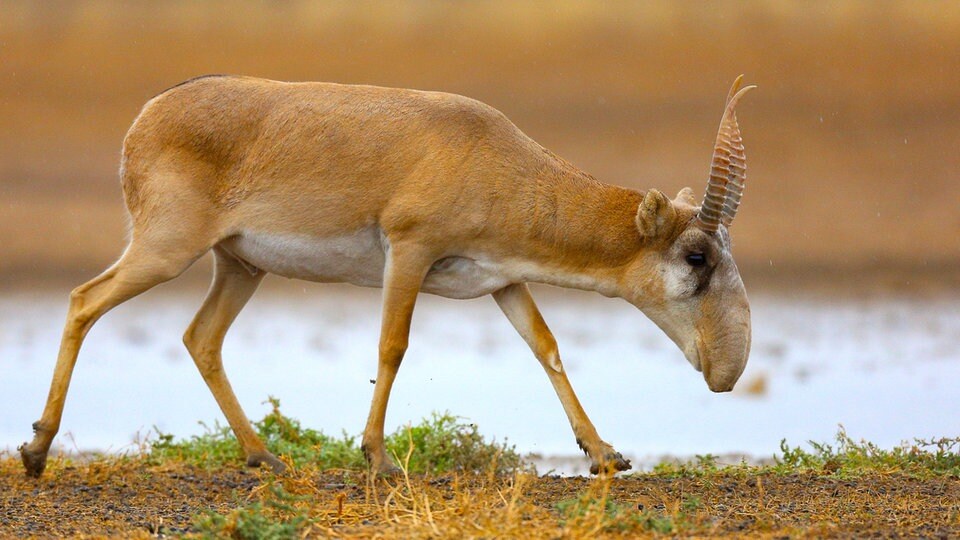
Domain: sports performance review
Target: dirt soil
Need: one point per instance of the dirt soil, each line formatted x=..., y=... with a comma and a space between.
x=130, y=498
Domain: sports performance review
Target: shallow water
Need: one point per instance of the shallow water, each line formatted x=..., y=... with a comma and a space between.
x=884, y=366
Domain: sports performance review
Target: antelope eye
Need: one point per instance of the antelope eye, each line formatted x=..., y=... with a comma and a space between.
x=696, y=259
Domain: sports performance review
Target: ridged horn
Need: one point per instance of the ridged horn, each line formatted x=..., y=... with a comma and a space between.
x=728, y=170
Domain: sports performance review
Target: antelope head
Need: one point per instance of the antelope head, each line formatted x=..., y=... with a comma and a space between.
x=686, y=280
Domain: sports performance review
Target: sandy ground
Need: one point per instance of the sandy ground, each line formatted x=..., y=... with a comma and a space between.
x=131, y=499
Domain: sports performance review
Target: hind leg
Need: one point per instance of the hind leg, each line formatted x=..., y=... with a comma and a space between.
x=233, y=285
x=140, y=268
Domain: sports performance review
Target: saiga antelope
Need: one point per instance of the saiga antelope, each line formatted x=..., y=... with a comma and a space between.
x=409, y=191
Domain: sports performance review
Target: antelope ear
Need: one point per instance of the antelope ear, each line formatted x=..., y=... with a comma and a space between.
x=685, y=196
x=656, y=214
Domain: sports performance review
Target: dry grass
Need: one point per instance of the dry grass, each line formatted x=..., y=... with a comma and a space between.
x=130, y=498
x=841, y=489
x=851, y=137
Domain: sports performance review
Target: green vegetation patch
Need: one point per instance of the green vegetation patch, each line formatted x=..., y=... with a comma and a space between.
x=596, y=511
x=274, y=518
x=921, y=458
x=845, y=457
x=439, y=444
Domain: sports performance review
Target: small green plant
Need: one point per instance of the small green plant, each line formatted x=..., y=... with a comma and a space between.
x=275, y=518
x=441, y=443
x=843, y=457
x=595, y=512
x=700, y=467
x=214, y=447
x=657, y=523
x=284, y=436
x=612, y=516
x=935, y=457
x=796, y=458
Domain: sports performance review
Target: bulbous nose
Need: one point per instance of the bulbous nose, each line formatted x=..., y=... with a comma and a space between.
x=721, y=387
x=722, y=371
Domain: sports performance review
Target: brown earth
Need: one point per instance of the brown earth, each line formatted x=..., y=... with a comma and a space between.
x=852, y=136
x=128, y=498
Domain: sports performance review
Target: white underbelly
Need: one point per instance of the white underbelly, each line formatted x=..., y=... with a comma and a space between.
x=359, y=258
x=462, y=277
x=356, y=258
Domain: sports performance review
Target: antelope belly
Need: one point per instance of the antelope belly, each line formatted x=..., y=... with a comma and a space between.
x=462, y=277
x=356, y=258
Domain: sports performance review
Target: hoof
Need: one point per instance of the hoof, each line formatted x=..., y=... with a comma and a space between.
x=268, y=459
x=386, y=470
x=34, y=462
x=613, y=462
x=380, y=464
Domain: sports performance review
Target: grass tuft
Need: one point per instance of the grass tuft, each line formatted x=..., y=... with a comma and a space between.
x=847, y=457
x=439, y=444
x=700, y=466
x=274, y=518
x=444, y=443
x=595, y=512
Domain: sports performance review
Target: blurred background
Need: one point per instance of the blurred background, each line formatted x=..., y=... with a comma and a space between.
x=852, y=138
x=848, y=237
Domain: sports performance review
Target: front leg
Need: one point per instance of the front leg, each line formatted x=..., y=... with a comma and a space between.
x=405, y=270
x=518, y=306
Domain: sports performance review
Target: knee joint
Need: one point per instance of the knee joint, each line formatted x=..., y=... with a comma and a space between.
x=548, y=349
x=548, y=354
x=200, y=347
x=77, y=299
x=76, y=295
x=190, y=340
x=392, y=351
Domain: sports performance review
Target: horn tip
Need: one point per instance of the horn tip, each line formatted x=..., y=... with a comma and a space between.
x=734, y=87
x=736, y=91
x=732, y=102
